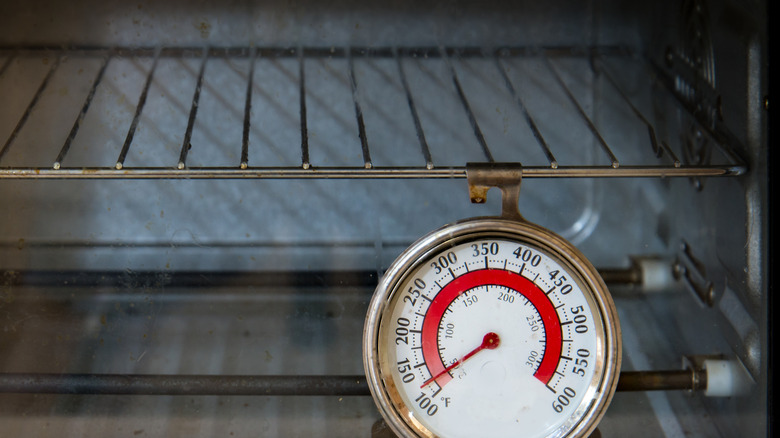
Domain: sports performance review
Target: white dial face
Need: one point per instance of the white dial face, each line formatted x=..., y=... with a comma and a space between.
x=492, y=337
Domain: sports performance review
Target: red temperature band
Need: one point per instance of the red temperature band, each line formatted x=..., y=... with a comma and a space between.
x=497, y=277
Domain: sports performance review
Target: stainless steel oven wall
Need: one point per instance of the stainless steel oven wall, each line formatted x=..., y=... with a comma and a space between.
x=723, y=226
x=710, y=232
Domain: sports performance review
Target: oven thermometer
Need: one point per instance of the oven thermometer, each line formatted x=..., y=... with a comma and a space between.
x=492, y=327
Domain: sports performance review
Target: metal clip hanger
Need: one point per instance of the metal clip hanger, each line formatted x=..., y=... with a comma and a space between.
x=506, y=176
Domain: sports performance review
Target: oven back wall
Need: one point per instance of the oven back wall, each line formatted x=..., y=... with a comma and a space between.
x=272, y=276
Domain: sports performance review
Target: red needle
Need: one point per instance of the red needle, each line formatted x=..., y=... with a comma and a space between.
x=489, y=342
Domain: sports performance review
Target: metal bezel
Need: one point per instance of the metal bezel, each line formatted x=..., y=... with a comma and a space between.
x=450, y=235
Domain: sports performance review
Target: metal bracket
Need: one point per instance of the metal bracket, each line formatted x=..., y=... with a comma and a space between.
x=506, y=176
x=693, y=271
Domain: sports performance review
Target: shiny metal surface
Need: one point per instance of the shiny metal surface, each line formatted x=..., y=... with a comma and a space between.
x=417, y=58
x=151, y=384
x=372, y=173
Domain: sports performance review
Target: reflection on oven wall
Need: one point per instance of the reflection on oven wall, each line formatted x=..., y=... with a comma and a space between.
x=149, y=231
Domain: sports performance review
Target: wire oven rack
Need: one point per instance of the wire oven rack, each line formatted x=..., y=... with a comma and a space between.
x=661, y=157
x=435, y=89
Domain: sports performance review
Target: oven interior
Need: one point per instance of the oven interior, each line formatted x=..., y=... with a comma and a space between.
x=214, y=188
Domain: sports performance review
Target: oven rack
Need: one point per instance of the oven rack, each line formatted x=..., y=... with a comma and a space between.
x=178, y=289
x=662, y=157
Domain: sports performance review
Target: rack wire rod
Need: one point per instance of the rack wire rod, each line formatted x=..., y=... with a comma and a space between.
x=675, y=161
x=658, y=148
x=6, y=64
x=361, y=173
x=318, y=52
x=248, y=110
x=157, y=384
x=588, y=122
x=722, y=136
x=279, y=385
x=467, y=107
x=186, y=145
x=120, y=161
x=208, y=280
x=196, y=282
x=538, y=135
x=359, y=114
x=667, y=380
x=200, y=279
x=305, y=164
x=77, y=123
x=30, y=106
x=413, y=109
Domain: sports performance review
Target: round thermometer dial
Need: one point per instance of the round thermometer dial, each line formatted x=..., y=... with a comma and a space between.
x=492, y=327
